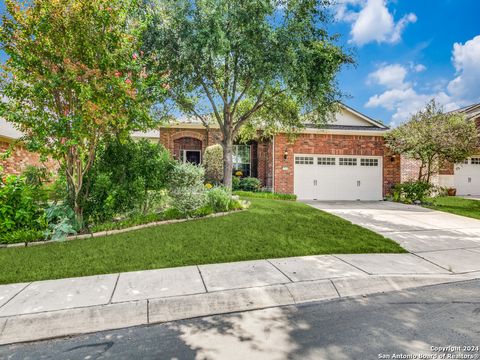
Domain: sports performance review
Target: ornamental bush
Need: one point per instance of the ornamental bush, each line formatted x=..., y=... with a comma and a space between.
x=19, y=207
x=235, y=183
x=412, y=191
x=213, y=163
x=250, y=184
x=127, y=176
x=186, y=188
x=219, y=199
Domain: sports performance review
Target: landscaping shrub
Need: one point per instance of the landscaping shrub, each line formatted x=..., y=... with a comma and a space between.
x=36, y=176
x=21, y=235
x=186, y=188
x=267, y=195
x=412, y=191
x=61, y=222
x=205, y=210
x=235, y=183
x=213, y=163
x=250, y=184
x=127, y=176
x=138, y=219
x=219, y=198
x=19, y=208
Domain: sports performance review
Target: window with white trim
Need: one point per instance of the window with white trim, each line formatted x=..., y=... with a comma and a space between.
x=326, y=161
x=368, y=162
x=241, y=159
x=475, y=161
x=464, y=161
x=304, y=160
x=347, y=162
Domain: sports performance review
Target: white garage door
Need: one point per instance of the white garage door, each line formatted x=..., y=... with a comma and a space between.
x=328, y=177
x=467, y=177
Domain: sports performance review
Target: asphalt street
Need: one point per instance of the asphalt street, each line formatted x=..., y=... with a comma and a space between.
x=435, y=322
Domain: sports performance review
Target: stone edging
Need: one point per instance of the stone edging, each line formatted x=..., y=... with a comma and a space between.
x=117, y=231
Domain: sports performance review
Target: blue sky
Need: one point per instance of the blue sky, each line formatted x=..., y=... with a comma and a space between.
x=405, y=54
x=408, y=51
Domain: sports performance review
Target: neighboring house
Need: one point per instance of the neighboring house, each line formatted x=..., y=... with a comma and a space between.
x=20, y=157
x=345, y=160
x=464, y=177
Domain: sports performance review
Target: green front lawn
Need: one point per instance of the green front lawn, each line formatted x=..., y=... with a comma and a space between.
x=269, y=229
x=458, y=206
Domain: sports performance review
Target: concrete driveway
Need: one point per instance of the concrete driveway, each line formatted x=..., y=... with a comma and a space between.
x=447, y=240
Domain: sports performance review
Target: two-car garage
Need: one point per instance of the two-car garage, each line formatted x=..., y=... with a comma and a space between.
x=334, y=177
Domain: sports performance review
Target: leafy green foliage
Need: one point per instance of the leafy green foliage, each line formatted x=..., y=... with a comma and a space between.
x=74, y=73
x=235, y=183
x=213, y=163
x=235, y=62
x=412, y=191
x=19, y=208
x=21, y=235
x=186, y=188
x=127, y=176
x=36, y=176
x=249, y=184
x=434, y=137
x=61, y=222
x=266, y=195
x=219, y=199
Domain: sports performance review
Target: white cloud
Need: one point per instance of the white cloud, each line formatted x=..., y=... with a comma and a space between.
x=400, y=96
x=403, y=98
x=466, y=59
x=419, y=68
x=372, y=21
x=391, y=76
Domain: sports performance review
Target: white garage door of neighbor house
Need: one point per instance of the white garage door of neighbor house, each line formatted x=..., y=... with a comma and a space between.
x=328, y=177
x=467, y=177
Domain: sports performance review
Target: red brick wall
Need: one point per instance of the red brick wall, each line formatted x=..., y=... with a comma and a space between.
x=409, y=169
x=174, y=139
x=333, y=145
x=21, y=158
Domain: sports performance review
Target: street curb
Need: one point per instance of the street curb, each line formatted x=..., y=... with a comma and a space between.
x=59, y=323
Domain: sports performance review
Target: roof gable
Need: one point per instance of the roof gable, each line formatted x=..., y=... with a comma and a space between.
x=347, y=116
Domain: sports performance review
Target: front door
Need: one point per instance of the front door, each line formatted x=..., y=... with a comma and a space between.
x=192, y=156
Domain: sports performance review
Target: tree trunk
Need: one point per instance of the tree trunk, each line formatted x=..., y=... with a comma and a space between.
x=227, y=145
x=429, y=170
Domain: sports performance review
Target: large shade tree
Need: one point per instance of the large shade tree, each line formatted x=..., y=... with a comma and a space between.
x=74, y=73
x=434, y=138
x=237, y=61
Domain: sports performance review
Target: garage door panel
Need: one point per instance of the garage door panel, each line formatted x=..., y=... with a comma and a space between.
x=304, y=177
x=338, y=177
x=467, y=177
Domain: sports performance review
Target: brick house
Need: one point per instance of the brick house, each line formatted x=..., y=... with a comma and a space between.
x=345, y=160
x=20, y=157
x=464, y=177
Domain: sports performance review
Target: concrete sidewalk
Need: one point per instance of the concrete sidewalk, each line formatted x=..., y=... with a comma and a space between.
x=53, y=308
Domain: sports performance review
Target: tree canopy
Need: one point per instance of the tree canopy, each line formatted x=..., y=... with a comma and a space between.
x=238, y=61
x=74, y=73
x=434, y=137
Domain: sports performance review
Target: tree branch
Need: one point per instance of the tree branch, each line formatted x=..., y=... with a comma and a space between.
x=258, y=104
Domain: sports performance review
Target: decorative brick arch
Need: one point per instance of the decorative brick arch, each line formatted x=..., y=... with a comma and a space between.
x=188, y=134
